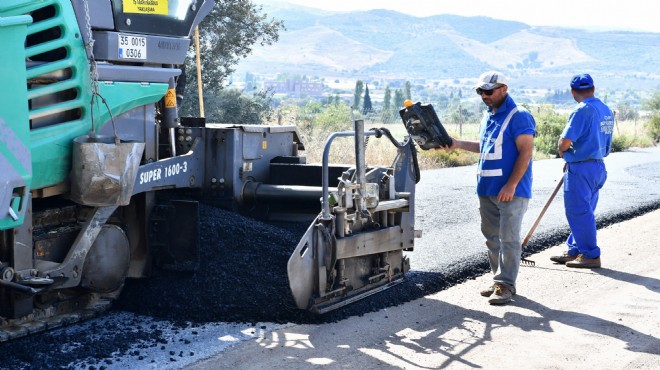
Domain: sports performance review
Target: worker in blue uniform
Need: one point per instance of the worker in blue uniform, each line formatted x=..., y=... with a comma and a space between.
x=504, y=180
x=583, y=144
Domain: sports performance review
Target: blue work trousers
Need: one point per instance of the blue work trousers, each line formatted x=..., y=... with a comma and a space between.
x=501, y=223
x=582, y=181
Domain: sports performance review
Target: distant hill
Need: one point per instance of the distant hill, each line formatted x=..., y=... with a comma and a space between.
x=383, y=44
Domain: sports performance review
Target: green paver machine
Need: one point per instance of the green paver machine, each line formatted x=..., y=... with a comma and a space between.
x=91, y=141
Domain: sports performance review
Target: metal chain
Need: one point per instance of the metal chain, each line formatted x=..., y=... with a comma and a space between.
x=89, y=46
x=94, y=75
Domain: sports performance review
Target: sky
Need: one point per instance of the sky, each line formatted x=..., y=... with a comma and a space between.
x=601, y=15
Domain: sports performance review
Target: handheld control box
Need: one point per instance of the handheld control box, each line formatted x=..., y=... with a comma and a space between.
x=424, y=126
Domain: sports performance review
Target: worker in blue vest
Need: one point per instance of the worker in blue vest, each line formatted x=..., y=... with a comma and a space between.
x=504, y=180
x=583, y=144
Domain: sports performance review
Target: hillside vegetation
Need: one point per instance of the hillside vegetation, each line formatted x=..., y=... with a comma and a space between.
x=388, y=44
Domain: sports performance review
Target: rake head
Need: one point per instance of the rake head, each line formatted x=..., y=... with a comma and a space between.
x=527, y=262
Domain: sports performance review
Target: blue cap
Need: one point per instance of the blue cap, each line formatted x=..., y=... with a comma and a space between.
x=582, y=81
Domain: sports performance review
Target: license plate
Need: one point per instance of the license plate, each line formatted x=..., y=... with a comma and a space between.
x=132, y=47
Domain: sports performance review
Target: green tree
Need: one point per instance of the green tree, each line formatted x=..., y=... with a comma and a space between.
x=366, y=105
x=334, y=118
x=398, y=101
x=311, y=107
x=316, y=122
x=228, y=34
x=387, y=99
x=357, y=96
x=233, y=106
x=407, y=91
x=386, y=114
x=653, y=105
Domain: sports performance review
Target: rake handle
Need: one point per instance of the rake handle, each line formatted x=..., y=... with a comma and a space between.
x=545, y=208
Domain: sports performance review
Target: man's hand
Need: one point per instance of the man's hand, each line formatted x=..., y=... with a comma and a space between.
x=506, y=193
x=454, y=145
x=471, y=146
x=563, y=145
x=525, y=145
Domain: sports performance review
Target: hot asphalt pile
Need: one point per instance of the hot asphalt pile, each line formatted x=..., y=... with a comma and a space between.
x=241, y=276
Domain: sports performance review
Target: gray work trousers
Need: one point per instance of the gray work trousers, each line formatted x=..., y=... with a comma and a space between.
x=500, y=224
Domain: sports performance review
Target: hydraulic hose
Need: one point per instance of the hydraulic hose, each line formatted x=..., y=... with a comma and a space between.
x=408, y=141
x=413, y=154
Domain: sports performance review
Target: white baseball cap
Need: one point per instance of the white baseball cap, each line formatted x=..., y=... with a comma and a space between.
x=489, y=80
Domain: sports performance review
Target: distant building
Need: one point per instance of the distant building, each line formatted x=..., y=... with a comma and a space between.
x=295, y=87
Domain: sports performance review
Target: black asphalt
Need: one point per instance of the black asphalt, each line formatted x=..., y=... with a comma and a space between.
x=241, y=273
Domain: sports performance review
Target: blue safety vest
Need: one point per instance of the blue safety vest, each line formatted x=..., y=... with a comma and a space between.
x=498, y=135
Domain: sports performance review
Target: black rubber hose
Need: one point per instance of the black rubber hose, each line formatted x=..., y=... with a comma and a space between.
x=409, y=141
x=383, y=131
x=413, y=154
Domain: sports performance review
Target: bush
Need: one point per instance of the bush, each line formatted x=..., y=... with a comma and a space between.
x=622, y=142
x=446, y=158
x=653, y=127
x=549, y=126
x=233, y=106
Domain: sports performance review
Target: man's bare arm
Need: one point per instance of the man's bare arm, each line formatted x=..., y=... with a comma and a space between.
x=470, y=146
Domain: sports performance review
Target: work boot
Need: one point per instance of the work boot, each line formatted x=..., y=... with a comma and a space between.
x=582, y=262
x=488, y=291
x=501, y=295
x=563, y=258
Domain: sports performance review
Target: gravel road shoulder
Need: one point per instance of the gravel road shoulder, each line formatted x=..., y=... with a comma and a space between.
x=561, y=318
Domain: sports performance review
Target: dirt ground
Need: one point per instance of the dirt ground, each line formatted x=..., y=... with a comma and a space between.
x=562, y=318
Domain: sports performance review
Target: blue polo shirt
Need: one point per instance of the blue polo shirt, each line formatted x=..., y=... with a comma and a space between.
x=498, y=155
x=590, y=128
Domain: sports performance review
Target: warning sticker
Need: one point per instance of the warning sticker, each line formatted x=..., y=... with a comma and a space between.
x=170, y=98
x=146, y=6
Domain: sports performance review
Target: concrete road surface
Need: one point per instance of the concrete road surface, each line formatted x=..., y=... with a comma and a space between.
x=607, y=318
